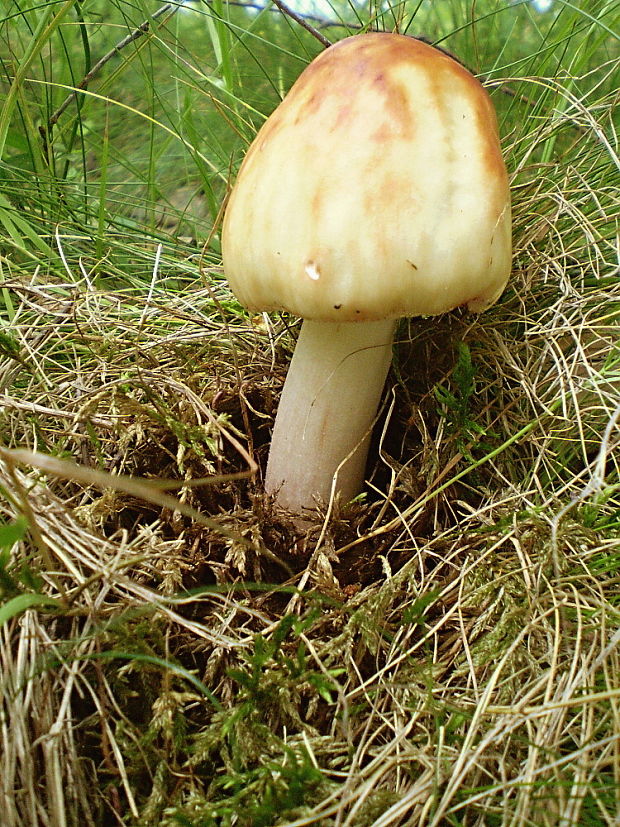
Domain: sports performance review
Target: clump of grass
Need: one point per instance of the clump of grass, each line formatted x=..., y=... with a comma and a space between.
x=174, y=651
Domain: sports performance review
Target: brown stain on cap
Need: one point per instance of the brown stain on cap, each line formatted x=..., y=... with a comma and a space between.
x=368, y=75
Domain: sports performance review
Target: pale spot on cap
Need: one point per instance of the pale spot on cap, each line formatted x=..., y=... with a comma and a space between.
x=312, y=271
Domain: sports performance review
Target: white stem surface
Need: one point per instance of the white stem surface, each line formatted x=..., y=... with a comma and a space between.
x=324, y=422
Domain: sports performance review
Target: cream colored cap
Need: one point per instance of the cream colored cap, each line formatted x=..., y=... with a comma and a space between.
x=377, y=189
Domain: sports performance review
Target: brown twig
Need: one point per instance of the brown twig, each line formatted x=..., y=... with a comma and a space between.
x=302, y=21
x=321, y=22
x=142, y=29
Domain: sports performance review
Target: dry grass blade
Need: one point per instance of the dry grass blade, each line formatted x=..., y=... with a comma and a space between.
x=142, y=489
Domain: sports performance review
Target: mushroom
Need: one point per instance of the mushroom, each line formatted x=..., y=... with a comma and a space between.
x=376, y=190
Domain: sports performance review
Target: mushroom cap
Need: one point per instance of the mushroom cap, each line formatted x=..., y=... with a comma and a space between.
x=376, y=189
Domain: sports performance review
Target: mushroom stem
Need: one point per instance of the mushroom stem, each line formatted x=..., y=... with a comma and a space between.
x=324, y=421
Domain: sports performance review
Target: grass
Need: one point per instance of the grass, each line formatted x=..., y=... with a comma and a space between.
x=443, y=651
